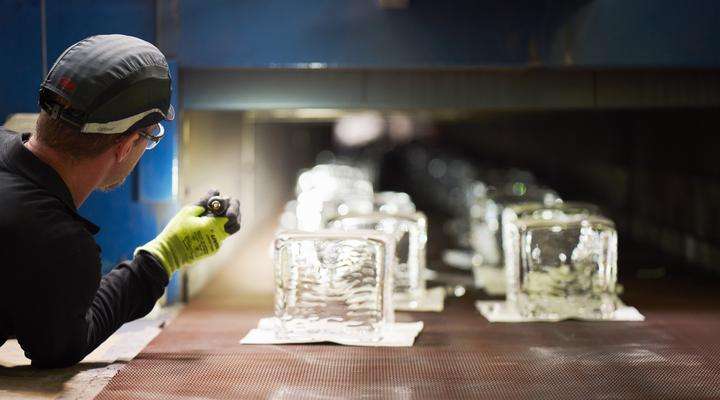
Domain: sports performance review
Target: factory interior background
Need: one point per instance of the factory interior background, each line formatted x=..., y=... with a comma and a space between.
x=609, y=102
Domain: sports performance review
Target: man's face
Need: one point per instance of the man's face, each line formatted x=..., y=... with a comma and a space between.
x=120, y=171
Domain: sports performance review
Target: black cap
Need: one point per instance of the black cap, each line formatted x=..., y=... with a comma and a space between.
x=109, y=84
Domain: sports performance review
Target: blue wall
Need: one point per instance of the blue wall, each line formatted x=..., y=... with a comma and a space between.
x=20, y=65
x=633, y=33
x=457, y=33
x=355, y=33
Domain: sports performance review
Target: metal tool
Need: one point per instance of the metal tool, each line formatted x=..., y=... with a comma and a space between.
x=217, y=206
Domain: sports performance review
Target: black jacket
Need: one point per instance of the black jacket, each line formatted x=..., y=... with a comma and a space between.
x=52, y=298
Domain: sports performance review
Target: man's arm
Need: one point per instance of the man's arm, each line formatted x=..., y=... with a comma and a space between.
x=72, y=311
x=127, y=293
x=64, y=310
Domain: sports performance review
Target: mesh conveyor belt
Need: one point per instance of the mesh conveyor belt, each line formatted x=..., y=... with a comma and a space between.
x=675, y=354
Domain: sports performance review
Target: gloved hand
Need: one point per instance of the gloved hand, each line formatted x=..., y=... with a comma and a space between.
x=190, y=236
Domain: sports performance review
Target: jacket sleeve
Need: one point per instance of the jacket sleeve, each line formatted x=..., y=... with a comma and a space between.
x=72, y=310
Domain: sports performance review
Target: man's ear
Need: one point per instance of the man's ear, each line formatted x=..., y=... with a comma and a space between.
x=125, y=146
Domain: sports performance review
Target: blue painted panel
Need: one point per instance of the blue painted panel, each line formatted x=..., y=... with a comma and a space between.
x=635, y=33
x=156, y=176
x=69, y=21
x=430, y=33
x=262, y=33
x=19, y=56
x=124, y=223
x=156, y=171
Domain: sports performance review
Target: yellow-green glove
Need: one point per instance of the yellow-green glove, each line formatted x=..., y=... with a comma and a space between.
x=193, y=234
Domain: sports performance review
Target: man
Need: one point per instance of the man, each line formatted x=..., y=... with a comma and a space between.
x=101, y=105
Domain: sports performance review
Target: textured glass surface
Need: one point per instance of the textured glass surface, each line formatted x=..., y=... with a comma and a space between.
x=410, y=233
x=329, y=283
x=512, y=213
x=567, y=267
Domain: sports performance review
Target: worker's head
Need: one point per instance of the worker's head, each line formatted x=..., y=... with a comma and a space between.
x=104, y=99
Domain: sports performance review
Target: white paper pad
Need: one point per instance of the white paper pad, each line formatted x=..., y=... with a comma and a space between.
x=501, y=311
x=400, y=334
x=433, y=300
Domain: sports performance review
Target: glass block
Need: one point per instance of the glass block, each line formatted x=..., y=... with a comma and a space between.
x=314, y=212
x=333, y=180
x=393, y=203
x=533, y=210
x=327, y=191
x=567, y=267
x=288, y=217
x=410, y=234
x=486, y=217
x=333, y=283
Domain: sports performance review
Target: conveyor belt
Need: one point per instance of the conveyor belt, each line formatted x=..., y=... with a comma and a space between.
x=674, y=354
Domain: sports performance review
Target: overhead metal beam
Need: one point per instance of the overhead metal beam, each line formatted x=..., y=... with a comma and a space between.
x=262, y=89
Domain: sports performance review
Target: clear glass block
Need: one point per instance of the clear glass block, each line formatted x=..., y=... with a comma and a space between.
x=288, y=217
x=394, y=203
x=333, y=179
x=533, y=210
x=567, y=267
x=410, y=234
x=486, y=217
x=333, y=283
x=327, y=191
x=313, y=213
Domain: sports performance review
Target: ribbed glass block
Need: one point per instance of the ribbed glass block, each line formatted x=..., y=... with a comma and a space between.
x=410, y=233
x=567, y=267
x=333, y=283
x=512, y=213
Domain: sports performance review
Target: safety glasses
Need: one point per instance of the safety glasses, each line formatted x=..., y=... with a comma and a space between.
x=152, y=134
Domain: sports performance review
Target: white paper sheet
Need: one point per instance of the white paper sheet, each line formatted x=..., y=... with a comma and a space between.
x=501, y=311
x=401, y=334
